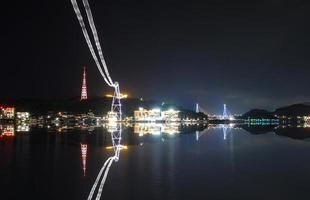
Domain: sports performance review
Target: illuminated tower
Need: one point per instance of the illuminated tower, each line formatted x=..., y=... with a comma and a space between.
x=84, y=87
x=225, y=115
x=84, y=157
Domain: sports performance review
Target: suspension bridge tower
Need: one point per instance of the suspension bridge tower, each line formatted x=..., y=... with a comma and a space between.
x=225, y=115
x=197, y=108
x=84, y=87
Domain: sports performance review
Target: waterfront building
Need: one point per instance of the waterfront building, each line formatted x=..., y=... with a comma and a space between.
x=153, y=115
x=147, y=115
x=7, y=112
x=171, y=115
x=22, y=116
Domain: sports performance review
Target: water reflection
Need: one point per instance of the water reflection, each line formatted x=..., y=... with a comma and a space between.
x=84, y=157
x=166, y=161
x=156, y=128
x=116, y=135
x=23, y=127
x=7, y=130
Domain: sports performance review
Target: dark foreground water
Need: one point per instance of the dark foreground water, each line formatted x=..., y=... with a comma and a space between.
x=206, y=165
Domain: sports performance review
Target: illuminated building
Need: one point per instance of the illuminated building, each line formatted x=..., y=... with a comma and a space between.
x=171, y=115
x=7, y=112
x=144, y=115
x=23, y=116
x=84, y=87
x=147, y=115
x=84, y=157
x=112, y=116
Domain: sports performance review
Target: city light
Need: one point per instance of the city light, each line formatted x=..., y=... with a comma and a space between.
x=123, y=96
x=120, y=146
x=156, y=128
x=112, y=117
x=7, y=112
x=155, y=114
x=7, y=131
x=23, y=116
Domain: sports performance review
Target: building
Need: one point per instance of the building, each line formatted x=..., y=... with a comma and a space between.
x=170, y=115
x=144, y=115
x=22, y=116
x=7, y=112
x=147, y=115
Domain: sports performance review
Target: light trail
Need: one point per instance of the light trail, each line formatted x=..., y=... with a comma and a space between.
x=96, y=38
x=90, y=196
x=116, y=141
x=86, y=36
x=104, y=178
x=116, y=107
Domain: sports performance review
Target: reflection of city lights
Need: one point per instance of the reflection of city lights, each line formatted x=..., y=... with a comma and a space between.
x=23, y=128
x=7, y=130
x=156, y=128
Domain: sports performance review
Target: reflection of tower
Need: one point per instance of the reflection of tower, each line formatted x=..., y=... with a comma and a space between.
x=225, y=132
x=197, y=135
x=225, y=115
x=84, y=157
x=84, y=87
x=197, y=108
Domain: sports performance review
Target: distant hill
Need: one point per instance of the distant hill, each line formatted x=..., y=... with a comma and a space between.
x=294, y=110
x=258, y=113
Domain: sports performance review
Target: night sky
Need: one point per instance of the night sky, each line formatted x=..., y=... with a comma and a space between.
x=250, y=54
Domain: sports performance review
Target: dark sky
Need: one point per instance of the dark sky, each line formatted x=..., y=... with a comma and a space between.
x=247, y=54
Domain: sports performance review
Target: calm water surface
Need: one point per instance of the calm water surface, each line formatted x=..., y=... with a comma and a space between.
x=193, y=165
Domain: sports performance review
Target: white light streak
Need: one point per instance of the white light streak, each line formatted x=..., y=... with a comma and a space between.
x=116, y=104
x=96, y=38
x=86, y=36
x=90, y=196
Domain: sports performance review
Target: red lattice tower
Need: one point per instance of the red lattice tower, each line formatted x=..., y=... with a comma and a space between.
x=84, y=87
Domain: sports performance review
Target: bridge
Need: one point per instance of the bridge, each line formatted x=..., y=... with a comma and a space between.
x=226, y=115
